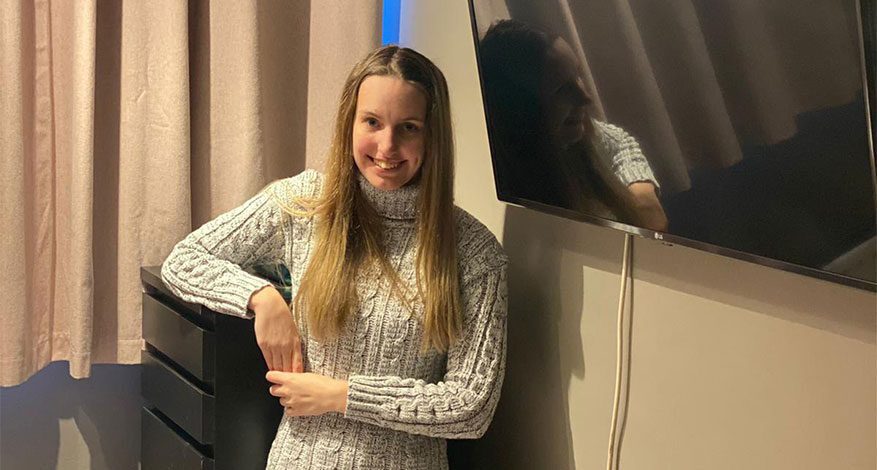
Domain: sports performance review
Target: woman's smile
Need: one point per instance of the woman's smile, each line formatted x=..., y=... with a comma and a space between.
x=388, y=134
x=387, y=165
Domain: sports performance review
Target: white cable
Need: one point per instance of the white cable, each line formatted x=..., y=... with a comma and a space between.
x=625, y=266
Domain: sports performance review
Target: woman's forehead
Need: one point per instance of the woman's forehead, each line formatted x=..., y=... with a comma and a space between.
x=387, y=94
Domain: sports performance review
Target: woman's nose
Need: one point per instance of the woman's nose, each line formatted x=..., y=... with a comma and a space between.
x=580, y=94
x=387, y=141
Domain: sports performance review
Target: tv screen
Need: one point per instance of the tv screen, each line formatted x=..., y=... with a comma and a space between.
x=738, y=127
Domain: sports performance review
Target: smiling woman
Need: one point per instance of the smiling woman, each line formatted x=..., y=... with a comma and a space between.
x=388, y=134
x=395, y=337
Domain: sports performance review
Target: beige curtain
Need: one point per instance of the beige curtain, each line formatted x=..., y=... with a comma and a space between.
x=124, y=125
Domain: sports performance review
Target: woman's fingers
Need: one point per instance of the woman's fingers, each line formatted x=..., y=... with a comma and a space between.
x=276, y=360
x=268, y=355
x=306, y=394
x=265, y=343
x=279, y=388
x=275, y=330
x=296, y=359
x=276, y=377
x=284, y=357
x=286, y=360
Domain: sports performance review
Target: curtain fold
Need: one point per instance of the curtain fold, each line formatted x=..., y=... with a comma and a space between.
x=18, y=238
x=124, y=126
x=149, y=164
x=72, y=47
x=354, y=25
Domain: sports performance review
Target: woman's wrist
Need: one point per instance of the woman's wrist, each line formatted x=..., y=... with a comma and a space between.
x=341, y=397
x=264, y=296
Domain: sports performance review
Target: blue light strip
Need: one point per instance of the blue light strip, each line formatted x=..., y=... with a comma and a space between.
x=390, y=22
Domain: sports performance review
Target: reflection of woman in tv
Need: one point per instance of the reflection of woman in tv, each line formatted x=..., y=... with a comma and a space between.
x=549, y=150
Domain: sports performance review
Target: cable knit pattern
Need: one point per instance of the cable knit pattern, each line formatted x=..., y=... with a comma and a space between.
x=402, y=403
x=624, y=154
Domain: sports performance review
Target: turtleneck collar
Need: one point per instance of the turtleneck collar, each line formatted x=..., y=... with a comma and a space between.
x=400, y=204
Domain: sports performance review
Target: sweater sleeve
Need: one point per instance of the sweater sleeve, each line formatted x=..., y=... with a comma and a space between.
x=462, y=404
x=206, y=267
x=625, y=155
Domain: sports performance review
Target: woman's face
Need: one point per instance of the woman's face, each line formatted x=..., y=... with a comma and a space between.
x=563, y=97
x=388, y=131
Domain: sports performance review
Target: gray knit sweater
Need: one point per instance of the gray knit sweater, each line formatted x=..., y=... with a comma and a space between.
x=623, y=154
x=402, y=404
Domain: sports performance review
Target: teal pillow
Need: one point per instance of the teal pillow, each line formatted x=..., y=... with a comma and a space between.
x=277, y=274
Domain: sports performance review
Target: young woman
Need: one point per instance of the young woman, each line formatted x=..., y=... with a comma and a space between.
x=549, y=149
x=395, y=339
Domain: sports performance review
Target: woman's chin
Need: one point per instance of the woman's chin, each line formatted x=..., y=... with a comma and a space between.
x=571, y=134
x=384, y=183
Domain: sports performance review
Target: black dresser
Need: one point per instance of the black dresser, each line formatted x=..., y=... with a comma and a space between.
x=207, y=404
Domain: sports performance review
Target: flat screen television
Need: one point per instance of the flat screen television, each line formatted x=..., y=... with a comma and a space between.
x=743, y=128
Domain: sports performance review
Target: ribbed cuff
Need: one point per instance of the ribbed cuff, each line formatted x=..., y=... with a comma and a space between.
x=636, y=173
x=242, y=289
x=364, y=398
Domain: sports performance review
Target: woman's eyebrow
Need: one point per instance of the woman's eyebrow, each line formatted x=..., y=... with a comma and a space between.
x=368, y=113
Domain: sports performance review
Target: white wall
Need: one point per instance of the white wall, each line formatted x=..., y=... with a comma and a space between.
x=733, y=365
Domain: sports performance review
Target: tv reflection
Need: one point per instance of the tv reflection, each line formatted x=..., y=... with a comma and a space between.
x=547, y=147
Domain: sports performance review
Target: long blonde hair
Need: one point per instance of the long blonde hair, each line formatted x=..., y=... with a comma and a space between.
x=348, y=231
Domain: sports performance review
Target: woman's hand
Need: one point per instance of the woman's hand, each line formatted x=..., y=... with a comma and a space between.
x=308, y=394
x=276, y=333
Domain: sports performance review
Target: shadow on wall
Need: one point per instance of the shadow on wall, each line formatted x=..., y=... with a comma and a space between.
x=105, y=410
x=562, y=328
x=545, y=352
x=800, y=299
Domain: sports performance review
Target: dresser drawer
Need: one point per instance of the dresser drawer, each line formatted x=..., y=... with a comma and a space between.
x=184, y=342
x=177, y=398
x=162, y=448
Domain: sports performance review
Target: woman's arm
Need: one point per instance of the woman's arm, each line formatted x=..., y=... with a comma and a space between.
x=462, y=405
x=632, y=168
x=648, y=206
x=624, y=155
x=206, y=266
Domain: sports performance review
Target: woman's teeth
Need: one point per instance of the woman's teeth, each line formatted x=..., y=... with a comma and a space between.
x=385, y=165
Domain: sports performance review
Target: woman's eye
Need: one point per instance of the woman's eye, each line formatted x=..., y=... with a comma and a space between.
x=371, y=122
x=565, y=89
x=411, y=127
